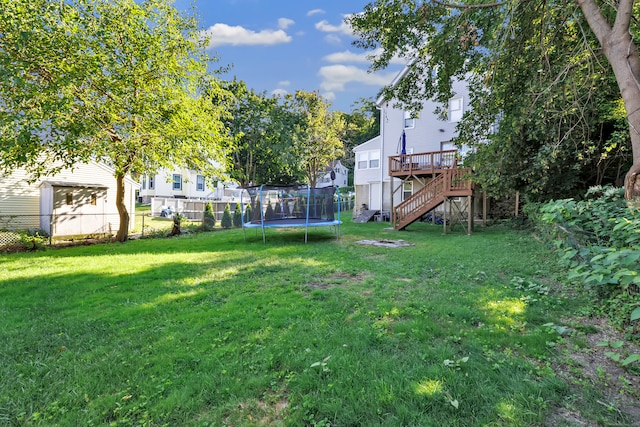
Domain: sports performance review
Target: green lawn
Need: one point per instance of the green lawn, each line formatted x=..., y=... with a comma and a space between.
x=147, y=224
x=210, y=329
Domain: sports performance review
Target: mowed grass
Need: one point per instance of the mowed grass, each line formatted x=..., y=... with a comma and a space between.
x=210, y=329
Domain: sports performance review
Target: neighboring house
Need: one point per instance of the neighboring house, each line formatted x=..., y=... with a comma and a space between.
x=341, y=175
x=428, y=151
x=74, y=202
x=178, y=183
x=186, y=192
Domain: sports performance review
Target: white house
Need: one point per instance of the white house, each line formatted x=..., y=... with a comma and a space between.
x=424, y=132
x=76, y=201
x=177, y=183
x=341, y=175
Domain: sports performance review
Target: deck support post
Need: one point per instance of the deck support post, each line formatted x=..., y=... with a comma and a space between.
x=484, y=208
x=469, y=215
x=444, y=220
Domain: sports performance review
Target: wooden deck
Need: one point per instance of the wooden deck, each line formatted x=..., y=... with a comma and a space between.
x=447, y=181
x=422, y=164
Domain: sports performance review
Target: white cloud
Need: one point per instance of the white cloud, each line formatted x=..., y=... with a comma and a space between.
x=284, y=23
x=333, y=39
x=347, y=56
x=336, y=77
x=223, y=34
x=279, y=92
x=326, y=27
x=284, y=83
x=315, y=12
x=359, y=58
x=329, y=96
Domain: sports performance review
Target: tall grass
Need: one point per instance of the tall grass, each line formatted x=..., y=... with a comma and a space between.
x=213, y=329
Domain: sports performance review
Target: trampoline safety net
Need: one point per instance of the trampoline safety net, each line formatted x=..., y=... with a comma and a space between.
x=292, y=206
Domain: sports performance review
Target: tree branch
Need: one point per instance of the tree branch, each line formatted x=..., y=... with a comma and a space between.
x=469, y=6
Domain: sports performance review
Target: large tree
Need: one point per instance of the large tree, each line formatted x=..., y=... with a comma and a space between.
x=263, y=126
x=361, y=125
x=119, y=81
x=518, y=57
x=318, y=133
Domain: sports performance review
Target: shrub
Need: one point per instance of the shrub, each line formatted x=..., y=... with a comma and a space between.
x=269, y=214
x=257, y=210
x=247, y=214
x=226, y=217
x=237, y=216
x=209, y=218
x=599, y=239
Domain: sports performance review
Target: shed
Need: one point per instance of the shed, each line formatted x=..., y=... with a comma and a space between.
x=72, y=208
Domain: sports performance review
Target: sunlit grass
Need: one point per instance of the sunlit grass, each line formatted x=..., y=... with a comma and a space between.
x=429, y=387
x=213, y=329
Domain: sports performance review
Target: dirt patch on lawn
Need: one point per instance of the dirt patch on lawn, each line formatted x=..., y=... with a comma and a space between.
x=339, y=279
x=269, y=411
x=591, y=366
x=385, y=243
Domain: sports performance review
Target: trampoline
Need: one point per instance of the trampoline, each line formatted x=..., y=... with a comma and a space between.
x=291, y=206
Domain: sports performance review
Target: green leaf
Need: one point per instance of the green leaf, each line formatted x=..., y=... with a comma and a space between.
x=612, y=355
x=635, y=314
x=630, y=359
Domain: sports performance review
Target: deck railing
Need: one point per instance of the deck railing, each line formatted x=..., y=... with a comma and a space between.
x=431, y=162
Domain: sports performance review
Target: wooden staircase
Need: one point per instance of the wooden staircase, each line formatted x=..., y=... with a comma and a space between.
x=450, y=183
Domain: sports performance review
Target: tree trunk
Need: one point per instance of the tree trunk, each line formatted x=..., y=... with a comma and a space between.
x=123, y=231
x=622, y=54
x=632, y=182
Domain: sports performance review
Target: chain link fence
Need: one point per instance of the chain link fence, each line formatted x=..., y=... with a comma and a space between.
x=26, y=229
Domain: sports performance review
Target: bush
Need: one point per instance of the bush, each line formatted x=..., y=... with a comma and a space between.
x=237, y=216
x=247, y=214
x=599, y=239
x=209, y=218
x=226, y=217
x=269, y=214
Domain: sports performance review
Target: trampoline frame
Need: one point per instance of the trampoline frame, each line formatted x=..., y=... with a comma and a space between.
x=289, y=222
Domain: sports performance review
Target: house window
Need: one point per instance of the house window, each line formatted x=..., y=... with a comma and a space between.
x=363, y=161
x=177, y=181
x=69, y=199
x=407, y=190
x=144, y=182
x=199, y=183
x=409, y=120
x=369, y=159
x=151, y=183
x=94, y=199
x=456, y=109
x=374, y=159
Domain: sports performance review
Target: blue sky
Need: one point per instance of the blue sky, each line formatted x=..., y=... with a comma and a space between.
x=280, y=46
